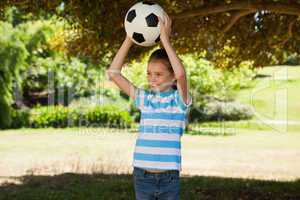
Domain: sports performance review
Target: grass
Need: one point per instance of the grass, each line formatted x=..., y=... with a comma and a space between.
x=255, y=160
x=111, y=186
x=274, y=97
x=227, y=127
x=96, y=164
x=277, y=95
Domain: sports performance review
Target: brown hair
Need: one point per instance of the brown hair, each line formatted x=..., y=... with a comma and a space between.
x=161, y=54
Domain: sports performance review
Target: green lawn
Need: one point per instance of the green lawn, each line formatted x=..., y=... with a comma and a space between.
x=95, y=164
x=72, y=186
x=250, y=159
x=275, y=99
x=275, y=96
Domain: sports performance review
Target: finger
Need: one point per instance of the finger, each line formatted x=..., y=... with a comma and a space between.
x=159, y=20
x=166, y=20
x=170, y=20
x=166, y=15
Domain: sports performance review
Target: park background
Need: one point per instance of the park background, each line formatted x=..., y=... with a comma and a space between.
x=67, y=132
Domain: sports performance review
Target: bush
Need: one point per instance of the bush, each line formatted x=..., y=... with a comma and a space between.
x=53, y=116
x=135, y=113
x=61, y=117
x=293, y=60
x=203, y=77
x=221, y=111
x=109, y=116
x=20, y=118
x=102, y=96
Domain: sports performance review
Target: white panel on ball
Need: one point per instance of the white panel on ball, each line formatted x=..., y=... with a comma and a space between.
x=141, y=23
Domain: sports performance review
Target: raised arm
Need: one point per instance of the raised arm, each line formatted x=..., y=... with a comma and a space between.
x=114, y=70
x=178, y=68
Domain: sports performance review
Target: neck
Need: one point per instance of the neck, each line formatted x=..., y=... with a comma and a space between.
x=163, y=90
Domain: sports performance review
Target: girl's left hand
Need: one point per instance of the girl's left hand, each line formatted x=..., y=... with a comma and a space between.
x=165, y=27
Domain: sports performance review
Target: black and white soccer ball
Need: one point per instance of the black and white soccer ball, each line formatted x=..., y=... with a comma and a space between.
x=141, y=23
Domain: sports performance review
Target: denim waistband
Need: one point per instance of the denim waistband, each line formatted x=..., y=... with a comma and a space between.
x=144, y=171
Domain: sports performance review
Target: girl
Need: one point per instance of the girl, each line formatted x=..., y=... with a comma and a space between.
x=157, y=154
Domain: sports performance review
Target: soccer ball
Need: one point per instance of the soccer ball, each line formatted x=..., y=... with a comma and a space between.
x=141, y=23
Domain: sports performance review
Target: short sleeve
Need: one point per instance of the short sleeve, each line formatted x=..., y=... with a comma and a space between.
x=138, y=97
x=180, y=101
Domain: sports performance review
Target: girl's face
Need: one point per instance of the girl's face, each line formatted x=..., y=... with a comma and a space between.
x=158, y=75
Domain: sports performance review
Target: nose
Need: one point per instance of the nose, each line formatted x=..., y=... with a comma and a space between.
x=152, y=79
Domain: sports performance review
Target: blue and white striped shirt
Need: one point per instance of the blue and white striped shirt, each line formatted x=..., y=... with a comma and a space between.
x=162, y=123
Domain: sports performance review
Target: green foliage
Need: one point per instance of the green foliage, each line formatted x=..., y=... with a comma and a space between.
x=109, y=116
x=21, y=41
x=111, y=93
x=221, y=111
x=203, y=76
x=206, y=82
x=103, y=96
x=13, y=16
x=197, y=25
x=49, y=62
x=226, y=57
x=205, y=79
x=20, y=118
x=52, y=116
x=13, y=54
x=135, y=112
x=293, y=59
x=136, y=71
x=213, y=89
x=68, y=73
x=32, y=56
x=237, y=78
x=60, y=116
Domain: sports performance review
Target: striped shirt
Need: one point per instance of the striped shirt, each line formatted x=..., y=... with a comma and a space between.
x=162, y=123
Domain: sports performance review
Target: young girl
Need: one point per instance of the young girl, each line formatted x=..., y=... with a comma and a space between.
x=157, y=154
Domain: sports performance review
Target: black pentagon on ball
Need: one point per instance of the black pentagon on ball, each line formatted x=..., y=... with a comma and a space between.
x=152, y=20
x=131, y=15
x=138, y=37
x=148, y=3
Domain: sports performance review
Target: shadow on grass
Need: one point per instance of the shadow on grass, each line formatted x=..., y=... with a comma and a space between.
x=113, y=186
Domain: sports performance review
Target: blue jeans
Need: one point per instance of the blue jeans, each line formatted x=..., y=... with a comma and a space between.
x=156, y=186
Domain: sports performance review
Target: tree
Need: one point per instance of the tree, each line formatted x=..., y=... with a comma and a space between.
x=30, y=52
x=12, y=55
x=257, y=30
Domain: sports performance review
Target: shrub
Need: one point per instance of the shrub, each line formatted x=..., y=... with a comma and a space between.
x=293, y=59
x=60, y=116
x=53, y=116
x=221, y=111
x=202, y=75
x=135, y=112
x=109, y=116
x=205, y=79
x=20, y=118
